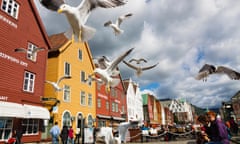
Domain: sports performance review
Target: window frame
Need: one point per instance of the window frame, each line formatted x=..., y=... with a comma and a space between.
x=83, y=95
x=14, y=6
x=90, y=100
x=66, y=90
x=6, y=127
x=67, y=69
x=30, y=82
x=29, y=125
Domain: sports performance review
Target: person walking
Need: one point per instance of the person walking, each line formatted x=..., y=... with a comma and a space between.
x=64, y=134
x=70, y=136
x=55, y=132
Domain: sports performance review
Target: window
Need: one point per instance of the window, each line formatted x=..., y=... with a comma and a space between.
x=66, y=119
x=67, y=67
x=82, y=76
x=98, y=86
x=83, y=98
x=11, y=7
x=123, y=109
x=107, y=105
x=29, y=79
x=90, y=121
x=113, y=92
x=66, y=93
x=116, y=107
x=30, y=54
x=113, y=107
x=101, y=123
x=89, y=99
x=98, y=102
x=5, y=128
x=30, y=126
x=80, y=56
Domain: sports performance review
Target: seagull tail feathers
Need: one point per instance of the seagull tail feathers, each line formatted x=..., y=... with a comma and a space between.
x=114, y=82
x=87, y=33
x=199, y=76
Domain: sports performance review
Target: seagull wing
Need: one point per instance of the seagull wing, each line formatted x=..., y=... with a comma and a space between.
x=142, y=59
x=106, y=3
x=131, y=60
x=231, y=73
x=63, y=77
x=38, y=49
x=108, y=23
x=208, y=68
x=52, y=4
x=130, y=65
x=115, y=63
x=121, y=18
x=86, y=6
x=50, y=82
x=21, y=50
x=149, y=67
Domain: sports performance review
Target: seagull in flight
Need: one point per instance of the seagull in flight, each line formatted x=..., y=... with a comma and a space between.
x=78, y=16
x=208, y=69
x=56, y=84
x=138, y=61
x=139, y=69
x=106, y=75
x=30, y=52
x=116, y=26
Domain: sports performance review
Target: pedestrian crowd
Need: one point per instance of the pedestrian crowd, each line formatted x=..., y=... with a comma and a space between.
x=66, y=134
x=214, y=130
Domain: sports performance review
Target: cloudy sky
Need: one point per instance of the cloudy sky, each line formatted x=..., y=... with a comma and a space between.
x=179, y=35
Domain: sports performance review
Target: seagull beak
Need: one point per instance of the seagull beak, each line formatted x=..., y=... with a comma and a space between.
x=60, y=11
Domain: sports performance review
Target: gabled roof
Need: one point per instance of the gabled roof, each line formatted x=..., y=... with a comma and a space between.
x=39, y=22
x=57, y=41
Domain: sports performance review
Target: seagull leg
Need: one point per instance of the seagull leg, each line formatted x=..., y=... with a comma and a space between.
x=80, y=36
x=73, y=38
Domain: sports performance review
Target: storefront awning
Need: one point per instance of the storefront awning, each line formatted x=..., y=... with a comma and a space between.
x=103, y=116
x=9, y=109
x=119, y=118
x=36, y=112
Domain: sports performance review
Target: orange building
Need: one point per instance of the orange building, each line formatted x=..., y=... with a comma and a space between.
x=22, y=74
x=74, y=105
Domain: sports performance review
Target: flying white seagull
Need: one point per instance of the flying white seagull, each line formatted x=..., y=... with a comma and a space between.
x=139, y=69
x=106, y=75
x=208, y=69
x=56, y=84
x=30, y=52
x=78, y=16
x=116, y=26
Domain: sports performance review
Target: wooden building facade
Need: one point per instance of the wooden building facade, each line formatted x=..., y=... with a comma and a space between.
x=22, y=74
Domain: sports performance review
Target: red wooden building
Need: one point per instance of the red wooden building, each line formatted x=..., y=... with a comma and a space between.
x=22, y=74
x=111, y=106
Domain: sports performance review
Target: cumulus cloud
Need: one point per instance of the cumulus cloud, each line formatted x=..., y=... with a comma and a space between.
x=180, y=35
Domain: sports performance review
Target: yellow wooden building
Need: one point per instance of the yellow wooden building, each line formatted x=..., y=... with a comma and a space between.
x=76, y=101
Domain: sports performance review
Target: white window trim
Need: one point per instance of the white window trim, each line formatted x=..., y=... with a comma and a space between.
x=69, y=94
x=65, y=68
x=33, y=82
x=12, y=5
x=81, y=98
